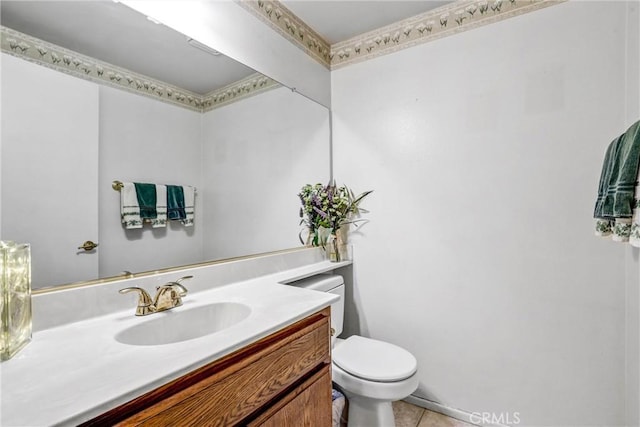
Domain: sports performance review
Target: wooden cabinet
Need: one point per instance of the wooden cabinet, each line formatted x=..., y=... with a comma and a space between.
x=283, y=379
x=305, y=406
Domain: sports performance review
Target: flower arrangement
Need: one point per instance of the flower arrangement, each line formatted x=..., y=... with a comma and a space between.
x=326, y=208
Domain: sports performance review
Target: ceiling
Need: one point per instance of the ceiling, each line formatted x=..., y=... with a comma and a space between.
x=113, y=33
x=339, y=20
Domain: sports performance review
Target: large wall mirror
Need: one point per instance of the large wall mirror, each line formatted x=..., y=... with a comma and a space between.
x=94, y=92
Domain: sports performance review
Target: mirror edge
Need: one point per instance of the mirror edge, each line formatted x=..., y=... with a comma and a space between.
x=150, y=273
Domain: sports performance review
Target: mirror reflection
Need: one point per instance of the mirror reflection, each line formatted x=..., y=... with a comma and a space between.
x=116, y=96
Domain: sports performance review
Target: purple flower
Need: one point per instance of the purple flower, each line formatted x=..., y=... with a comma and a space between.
x=319, y=212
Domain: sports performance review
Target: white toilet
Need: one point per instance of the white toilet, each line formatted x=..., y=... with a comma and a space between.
x=371, y=373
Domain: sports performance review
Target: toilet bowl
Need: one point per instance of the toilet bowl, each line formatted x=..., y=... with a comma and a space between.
x=371, y=373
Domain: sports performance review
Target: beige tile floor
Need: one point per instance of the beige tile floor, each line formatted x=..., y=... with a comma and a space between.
x=408, y=415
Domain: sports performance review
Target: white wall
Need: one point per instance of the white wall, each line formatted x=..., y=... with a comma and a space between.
x=484, y=150
x=275, y=140
x=632, y=348
x=49, y=169
x=632, y=298
x=143, y=140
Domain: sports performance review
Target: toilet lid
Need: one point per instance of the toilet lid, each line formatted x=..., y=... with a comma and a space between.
x=374, y=360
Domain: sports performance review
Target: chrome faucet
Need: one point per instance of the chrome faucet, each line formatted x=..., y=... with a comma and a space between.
x=167, y=297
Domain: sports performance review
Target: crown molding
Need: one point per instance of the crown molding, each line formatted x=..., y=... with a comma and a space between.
x=444, y=21
x=287, y=24
x=77, y=65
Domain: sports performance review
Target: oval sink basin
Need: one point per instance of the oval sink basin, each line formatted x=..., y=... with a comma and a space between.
x=182, y=325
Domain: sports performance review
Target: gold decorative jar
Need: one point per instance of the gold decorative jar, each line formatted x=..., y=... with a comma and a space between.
x=15, y=298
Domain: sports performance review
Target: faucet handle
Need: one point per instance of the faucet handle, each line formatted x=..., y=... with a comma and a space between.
x=182, y=291
x=177, y=285
x=183, y=278
x=144, y=300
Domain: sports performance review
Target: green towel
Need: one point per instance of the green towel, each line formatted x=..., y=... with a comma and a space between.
x=619, y=175
x=146, y=194
x=175, y=202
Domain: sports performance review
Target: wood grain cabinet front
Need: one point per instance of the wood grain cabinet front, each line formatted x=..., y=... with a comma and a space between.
x=306, y=406
x=281, y=380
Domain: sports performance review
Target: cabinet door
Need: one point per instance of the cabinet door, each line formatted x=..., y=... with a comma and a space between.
x=49, y=167
x=307, y=406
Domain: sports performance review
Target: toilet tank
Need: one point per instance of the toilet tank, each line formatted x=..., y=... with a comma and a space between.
x=332, y=283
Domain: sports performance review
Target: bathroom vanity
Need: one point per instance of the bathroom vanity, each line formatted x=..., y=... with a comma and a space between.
x=285, y=376
x=268, y=364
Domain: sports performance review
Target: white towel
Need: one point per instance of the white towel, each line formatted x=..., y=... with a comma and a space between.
x=189, y=202
x=161, y=207
x=129, y=207
x=623, y=229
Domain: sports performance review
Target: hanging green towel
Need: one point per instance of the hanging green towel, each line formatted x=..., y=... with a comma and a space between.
x=146, y=194
x=175, y=202
x=618, y=177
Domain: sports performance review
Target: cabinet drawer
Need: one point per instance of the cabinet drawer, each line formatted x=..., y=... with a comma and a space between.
x=307, y=406
x=237, y=387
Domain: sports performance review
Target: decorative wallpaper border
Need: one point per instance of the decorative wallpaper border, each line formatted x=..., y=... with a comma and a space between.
x=447, y=20
x=249, y=86
x=450, y=19
x=287, y=24
x=77, y=65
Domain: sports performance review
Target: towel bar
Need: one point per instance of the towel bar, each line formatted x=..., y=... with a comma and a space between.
x=117, y=185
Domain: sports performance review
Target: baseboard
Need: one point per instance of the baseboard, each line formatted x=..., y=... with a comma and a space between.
x=458, y=414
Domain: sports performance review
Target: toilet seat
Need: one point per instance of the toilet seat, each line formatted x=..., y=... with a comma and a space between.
x=374, y=360
x=379, y=391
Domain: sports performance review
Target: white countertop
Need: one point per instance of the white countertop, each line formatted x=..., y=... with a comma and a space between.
x=72, y=373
